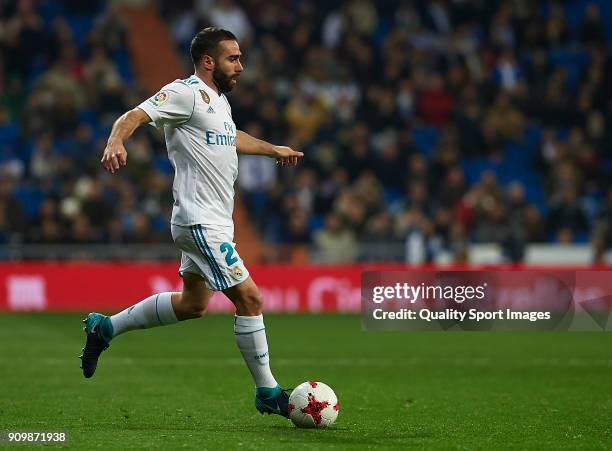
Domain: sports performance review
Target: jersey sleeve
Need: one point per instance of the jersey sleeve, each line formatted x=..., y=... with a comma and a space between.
x=172, y=105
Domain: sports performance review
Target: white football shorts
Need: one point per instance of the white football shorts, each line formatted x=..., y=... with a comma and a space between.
x=210, y=253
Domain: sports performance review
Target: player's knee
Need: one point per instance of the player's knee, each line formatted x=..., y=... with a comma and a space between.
x=198, y=311
x=252, y=302
x=194, y=311
x=193, y=306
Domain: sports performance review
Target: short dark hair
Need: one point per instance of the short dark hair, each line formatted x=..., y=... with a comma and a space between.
x=206, y=42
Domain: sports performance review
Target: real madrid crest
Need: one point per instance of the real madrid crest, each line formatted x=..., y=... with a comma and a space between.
x=237, y=272
x=205, y=96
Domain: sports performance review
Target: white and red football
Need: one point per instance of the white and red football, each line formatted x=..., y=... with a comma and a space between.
x=313, y=405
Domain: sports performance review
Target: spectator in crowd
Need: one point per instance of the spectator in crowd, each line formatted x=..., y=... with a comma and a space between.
x=12, y=218
x=567, y=215
x=335, y=243
x=602, y=236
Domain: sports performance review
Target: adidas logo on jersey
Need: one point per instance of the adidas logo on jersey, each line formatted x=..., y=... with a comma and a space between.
x=210, y=110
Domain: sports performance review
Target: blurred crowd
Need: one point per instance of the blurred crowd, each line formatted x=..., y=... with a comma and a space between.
x=426, y=125
x=64, y=81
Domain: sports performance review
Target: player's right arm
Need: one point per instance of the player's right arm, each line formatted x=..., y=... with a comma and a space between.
x=172, y=106
x=115, y=154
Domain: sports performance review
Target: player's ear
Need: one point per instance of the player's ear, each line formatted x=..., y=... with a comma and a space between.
x=208, y=62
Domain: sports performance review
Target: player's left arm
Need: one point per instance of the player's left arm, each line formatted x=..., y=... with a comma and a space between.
x=247, y=144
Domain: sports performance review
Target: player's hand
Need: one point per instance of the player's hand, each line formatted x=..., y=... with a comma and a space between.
x=286, y=156
x=114, y=157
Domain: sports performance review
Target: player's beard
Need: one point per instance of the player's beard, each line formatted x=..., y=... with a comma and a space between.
x=223, y=81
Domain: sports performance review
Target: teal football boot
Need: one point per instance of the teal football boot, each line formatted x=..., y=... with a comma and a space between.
x=99, y=331
x=272, y=401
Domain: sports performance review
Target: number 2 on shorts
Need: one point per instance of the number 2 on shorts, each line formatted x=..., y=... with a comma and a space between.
x=229, y=258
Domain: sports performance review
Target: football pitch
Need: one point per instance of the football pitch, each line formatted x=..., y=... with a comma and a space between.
x=186, y=386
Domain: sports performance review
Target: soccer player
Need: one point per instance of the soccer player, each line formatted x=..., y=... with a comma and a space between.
x=202, y=142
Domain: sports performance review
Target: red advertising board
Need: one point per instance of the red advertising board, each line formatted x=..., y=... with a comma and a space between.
x=110, y=286
x=82, y=286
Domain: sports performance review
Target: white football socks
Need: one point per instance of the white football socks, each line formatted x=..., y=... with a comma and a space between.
x=153, y=311
x=250, y=335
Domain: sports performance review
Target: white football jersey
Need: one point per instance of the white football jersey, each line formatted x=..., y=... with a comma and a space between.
x=201, y=142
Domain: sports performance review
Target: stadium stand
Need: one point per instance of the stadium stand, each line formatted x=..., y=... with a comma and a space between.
x=428, y=126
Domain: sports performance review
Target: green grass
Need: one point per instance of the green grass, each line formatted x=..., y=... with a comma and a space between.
x=186, y=386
